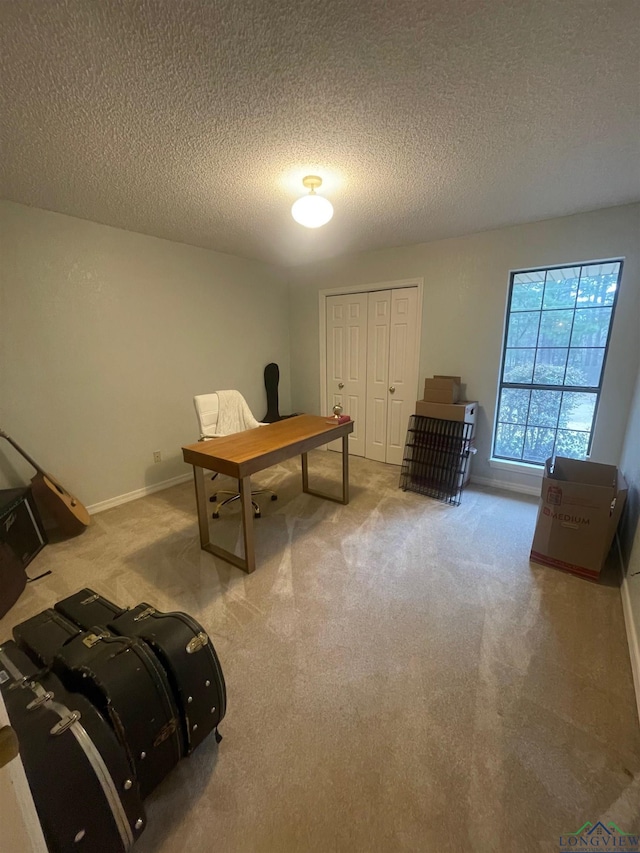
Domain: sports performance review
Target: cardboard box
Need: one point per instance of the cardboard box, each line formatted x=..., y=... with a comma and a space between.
x=580, y=507
x=442, y=389
x=462, y=411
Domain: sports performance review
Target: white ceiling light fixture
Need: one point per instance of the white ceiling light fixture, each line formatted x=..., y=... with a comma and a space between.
x=312, y=210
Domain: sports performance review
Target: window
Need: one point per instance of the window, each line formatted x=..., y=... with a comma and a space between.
x=557, y=333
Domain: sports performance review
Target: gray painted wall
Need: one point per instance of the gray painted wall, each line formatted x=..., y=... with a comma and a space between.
x=105, y=337
x=466, y=282
x=629, y=526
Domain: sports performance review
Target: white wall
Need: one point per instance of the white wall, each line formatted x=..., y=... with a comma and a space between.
x=105, y=337
x=629, y=533
x=466, y=282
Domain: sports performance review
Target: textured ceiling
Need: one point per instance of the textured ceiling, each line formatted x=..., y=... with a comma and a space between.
x=196, y=120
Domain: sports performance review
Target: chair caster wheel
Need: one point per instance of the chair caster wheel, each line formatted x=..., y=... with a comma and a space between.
x=213, y=499
x=274, y=497
x=215, y=515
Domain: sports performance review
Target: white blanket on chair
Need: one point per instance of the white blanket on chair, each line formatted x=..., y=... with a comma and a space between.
x=234, y=415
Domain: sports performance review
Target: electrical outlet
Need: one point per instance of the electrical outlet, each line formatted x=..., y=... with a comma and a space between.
x=157, y=456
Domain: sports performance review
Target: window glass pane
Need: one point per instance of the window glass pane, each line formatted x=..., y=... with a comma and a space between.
x=591, y=327
x=523, y=329
x=598, y=284
x=584, y=367
x=572, y=444
x=544, y=409
x=561, y=288
x=535, y=277
x=555, y=328
x=550, y=364
x=526, y=294
x=518, y=365
x=509, y=440
x=577, y=411
x=514, y=405
x=557, y=332
x=538, y=445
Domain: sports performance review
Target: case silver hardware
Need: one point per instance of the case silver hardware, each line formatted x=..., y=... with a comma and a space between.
x=92, y=639
x=62, y=725
x=207, y=683
x=79, y=836
x=213, y=710
x=143, y=755
x=148, y=611
x=195, y=727
x=128, y=785
x=198, y=642
x=139, y=823
x=39, y=700
x=25, y=681
x=90, y=599
x=190, y=699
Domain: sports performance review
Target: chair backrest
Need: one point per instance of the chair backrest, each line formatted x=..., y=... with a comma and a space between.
x=207, y=409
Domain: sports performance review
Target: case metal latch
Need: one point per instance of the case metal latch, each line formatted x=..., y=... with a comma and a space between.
x=65, y=723
x=198, y=642
x=91, y=599
x=92, y=639
x=144, y=614
x=39, y=700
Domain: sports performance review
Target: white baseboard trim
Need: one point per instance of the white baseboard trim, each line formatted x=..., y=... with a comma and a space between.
x=507, y=485
x=629, y=623
x=139, y=493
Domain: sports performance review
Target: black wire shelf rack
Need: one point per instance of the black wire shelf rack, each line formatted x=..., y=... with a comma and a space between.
x=436, y=458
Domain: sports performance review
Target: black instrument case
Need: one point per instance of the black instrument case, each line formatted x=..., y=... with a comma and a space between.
x=82, y=786
x=123, y=678
x=182, y=647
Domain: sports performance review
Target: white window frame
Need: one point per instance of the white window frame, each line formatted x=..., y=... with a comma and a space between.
x=533, y=468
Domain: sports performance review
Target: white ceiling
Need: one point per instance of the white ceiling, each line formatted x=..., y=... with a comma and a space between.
x=197, y=120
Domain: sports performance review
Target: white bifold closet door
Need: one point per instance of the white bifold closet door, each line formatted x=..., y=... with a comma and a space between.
x=372, y=368
x=392, y=375
x=347, y=363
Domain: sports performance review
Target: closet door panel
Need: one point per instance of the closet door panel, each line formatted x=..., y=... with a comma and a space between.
x=347, y=363
x=379, y=318
x=403, y=370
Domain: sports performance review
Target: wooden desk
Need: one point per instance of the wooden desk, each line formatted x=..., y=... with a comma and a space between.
x=245, y=453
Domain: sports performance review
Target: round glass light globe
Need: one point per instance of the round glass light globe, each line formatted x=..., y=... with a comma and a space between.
x=312, y=211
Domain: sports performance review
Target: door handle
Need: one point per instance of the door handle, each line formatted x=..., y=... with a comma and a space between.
x=340, y=384
x=392, y=389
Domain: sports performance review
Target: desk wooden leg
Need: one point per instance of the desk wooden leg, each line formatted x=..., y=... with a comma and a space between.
x=345, y=476
x=248, y=563
x=345, y=469
x=201, y=504
x=247, y=525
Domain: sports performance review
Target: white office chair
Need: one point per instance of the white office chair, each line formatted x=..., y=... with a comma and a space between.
x=225, y=413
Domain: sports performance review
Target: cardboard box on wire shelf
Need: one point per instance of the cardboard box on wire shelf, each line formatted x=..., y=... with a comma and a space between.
x=580, y=507
x=442, y=389
x=464, y=411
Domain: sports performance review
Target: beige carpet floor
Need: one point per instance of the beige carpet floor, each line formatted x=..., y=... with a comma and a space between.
x=400, y=677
